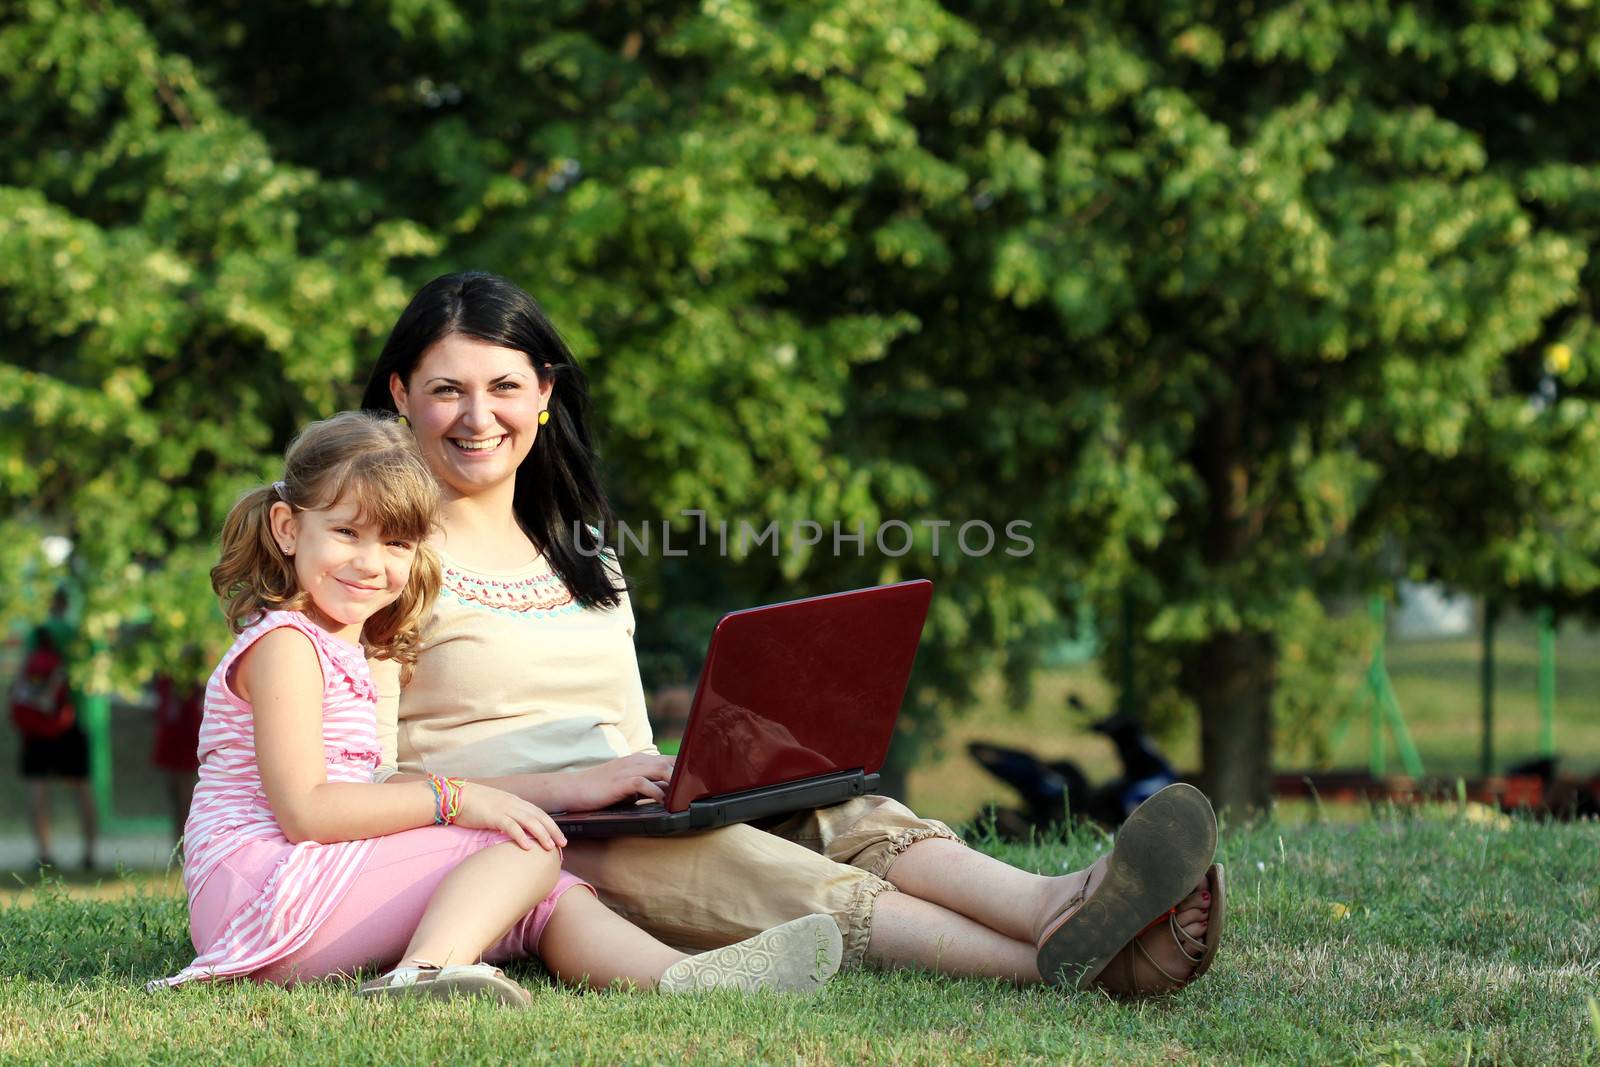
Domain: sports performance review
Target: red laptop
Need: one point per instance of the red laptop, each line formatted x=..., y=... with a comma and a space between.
x=795, y=709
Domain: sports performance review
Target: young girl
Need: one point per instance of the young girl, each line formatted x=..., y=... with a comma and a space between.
x=297, y=865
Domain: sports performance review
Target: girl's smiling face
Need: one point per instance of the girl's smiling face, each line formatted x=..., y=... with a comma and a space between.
x=350, y=568
x=474, y=408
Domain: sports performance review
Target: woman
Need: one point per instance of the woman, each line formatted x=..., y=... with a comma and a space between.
x=528, y=681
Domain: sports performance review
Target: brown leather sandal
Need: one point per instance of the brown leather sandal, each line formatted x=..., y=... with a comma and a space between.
x=1161, y=853
x=1129, y=972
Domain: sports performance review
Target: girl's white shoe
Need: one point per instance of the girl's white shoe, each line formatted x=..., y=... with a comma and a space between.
x=466, y=980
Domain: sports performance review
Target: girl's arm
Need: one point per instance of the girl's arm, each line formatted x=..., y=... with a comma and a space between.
x=282, y=679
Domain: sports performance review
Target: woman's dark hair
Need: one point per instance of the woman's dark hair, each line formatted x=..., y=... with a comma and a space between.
x=559, y=499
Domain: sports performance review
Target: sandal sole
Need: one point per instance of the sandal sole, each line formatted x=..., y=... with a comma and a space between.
x=1162, y=852
x=797, y=957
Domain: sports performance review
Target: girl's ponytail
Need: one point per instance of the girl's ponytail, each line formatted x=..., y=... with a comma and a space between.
x=254, y=576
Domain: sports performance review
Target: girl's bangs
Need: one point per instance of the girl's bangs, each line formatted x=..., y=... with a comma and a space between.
x=400, y=499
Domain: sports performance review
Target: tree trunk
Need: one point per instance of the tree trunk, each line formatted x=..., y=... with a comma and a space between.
x=1231, y=674
x=1231, y=677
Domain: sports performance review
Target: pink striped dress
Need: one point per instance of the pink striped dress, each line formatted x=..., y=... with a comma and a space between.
x=230, y=813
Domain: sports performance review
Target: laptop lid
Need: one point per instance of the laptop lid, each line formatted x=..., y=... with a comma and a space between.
x=800, y=689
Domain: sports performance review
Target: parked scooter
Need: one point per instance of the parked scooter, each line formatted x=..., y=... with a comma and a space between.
x=1054, y=792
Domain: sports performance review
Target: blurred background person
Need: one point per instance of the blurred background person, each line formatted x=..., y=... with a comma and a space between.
x=54, y=745
x=175, y=751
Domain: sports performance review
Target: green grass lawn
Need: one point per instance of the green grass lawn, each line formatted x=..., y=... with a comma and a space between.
x=1407, y=939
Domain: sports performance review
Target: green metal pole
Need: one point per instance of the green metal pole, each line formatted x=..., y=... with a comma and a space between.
x=1410, y=759
x=1547, y=682
x=1385, y=705
x=1490, y=610
x=96, y=719
x=102, y=777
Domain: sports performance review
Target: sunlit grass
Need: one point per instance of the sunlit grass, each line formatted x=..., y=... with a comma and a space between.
x=1407, y=939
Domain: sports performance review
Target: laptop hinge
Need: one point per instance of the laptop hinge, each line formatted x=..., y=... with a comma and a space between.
x=778, y=799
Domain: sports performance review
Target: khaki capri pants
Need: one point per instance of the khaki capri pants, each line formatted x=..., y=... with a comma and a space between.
x=714, y=887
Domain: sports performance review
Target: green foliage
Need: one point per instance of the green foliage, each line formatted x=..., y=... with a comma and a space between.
x=1305, y=264
x=1320, y=655
x=1234, y=305
x=178, y=300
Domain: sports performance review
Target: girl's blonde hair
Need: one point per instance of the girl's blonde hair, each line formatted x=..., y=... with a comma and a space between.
x=359, y=458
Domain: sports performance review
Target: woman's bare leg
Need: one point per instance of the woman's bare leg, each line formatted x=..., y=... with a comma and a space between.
x=909, y=931
x=462, y=919
x=1003, y=898
x=1011, y=904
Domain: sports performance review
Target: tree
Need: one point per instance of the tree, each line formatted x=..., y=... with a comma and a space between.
x=1224, y=304
x=178, y=300
x=660, y=176
x=1303, y=262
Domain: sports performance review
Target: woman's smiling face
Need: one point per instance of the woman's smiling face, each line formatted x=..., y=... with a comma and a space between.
x=475, y=410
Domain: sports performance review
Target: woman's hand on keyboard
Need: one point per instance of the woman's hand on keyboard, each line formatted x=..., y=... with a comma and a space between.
x=626, y=778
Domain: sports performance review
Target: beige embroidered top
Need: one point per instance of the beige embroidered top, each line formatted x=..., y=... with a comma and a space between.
x=513, y=676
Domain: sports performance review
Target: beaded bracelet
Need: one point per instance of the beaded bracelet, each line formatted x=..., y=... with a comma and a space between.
x=453, y=795
x=446, y=799
x=436, y=785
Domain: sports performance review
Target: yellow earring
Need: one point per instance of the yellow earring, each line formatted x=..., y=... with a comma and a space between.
x=544, y=417
x=403, y=420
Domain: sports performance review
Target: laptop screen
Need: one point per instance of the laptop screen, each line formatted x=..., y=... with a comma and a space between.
x=800, y=689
